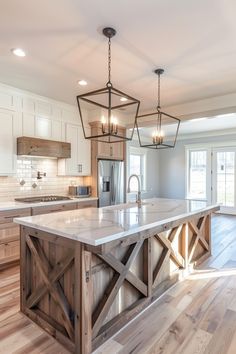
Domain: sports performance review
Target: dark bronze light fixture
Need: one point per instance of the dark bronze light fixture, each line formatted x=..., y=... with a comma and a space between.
x=108, y=111
x=165, y=131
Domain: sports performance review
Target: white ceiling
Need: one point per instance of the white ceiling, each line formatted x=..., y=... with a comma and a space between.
x=196, y=126
x=193, y=40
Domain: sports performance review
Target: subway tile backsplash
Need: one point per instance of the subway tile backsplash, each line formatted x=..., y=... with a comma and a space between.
x=25, y=183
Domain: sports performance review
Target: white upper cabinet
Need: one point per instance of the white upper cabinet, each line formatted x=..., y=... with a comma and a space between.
x=28, y=124
x=84, y=154
x=43, y=127
x=7, y=153
x=80, y=162
x=57, y=130
x=25, y=114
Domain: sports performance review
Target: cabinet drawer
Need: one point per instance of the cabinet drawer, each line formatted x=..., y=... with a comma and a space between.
x=88, y=204
x=53, y=208
x=6, y=217
x=9, y=250
x=10, y=234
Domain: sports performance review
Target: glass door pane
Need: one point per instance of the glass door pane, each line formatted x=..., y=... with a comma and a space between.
x=197, y=174
x=225, y=178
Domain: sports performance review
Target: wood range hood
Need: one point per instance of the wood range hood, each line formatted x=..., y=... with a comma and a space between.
x=29, y=146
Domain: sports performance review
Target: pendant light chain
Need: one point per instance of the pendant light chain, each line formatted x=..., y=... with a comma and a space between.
x=159, y=93
x=109, y=84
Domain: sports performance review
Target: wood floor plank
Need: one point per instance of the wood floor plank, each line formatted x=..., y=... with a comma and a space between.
x=223, y=336
x=139, y=338
x=184, y=328
x=219, y=306
x=232, y=346
x=196, y=344
x=111, y=346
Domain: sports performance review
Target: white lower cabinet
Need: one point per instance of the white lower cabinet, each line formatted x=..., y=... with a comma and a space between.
x=80, y=162
x=7, y=146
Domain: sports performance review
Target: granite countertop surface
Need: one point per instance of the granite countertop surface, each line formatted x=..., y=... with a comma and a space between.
x=11, y=205
x=96, y=226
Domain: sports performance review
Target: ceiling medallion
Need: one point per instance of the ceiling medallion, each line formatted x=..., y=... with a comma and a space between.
x=165, y=131
x=108, y=111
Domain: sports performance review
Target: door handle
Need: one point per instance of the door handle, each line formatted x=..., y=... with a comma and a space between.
x=112, y=185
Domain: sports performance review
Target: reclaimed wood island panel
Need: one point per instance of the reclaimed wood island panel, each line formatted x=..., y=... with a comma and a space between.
x=86, y=273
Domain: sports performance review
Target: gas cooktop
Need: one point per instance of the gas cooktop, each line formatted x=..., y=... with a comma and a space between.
x=42, y=199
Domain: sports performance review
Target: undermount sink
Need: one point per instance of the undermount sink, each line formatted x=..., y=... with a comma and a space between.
x=126, y=206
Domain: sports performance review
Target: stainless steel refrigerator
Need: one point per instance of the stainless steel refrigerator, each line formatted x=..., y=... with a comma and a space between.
x=110, y=182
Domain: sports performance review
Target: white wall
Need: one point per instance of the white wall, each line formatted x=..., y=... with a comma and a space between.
x=173, y=166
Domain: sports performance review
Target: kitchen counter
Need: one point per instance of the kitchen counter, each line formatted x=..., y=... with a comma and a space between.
x=98, y=226
x=12, y=205
x=86, y=273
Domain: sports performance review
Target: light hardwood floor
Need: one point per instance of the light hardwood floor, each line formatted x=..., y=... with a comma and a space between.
x=198, y=315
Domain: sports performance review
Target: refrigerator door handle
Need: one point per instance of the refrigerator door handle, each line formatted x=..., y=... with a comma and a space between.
x=112, y=185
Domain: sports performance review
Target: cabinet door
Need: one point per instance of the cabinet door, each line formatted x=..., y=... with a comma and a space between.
x=46, y=128
x=105, y=150
x=6, y=143
x=10, y=236
x=113, y=151
x=80, y=162
x=87, y=204
x=43, y=127
x=84, y=154
x=118, y=151
x=56, y=130
x=72, y=137
x=28, y=124
x=53, y=208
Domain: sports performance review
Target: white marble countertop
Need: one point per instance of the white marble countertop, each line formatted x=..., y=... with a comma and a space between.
x=11, y=205
x=96, y=226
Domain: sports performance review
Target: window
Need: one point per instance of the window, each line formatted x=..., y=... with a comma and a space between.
x=197, y=174
x=137, y=161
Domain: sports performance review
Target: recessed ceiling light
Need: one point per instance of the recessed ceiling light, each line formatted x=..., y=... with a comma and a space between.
x=18, y=52
x=82, y=83
x=123, y=99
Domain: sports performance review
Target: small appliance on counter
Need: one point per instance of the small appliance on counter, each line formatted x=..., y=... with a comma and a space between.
x=80, y=191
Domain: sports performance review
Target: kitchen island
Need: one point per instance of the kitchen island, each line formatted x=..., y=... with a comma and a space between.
x=86, y=273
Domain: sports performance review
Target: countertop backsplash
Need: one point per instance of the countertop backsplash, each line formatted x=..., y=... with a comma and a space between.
x=25, y=183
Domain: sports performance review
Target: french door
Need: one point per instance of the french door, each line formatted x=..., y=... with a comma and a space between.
x=224, y=178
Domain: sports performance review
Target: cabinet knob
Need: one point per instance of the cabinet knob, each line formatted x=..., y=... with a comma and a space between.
x=111, y=151
x=80, y=168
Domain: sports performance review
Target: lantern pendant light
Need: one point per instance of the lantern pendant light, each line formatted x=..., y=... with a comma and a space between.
x=166, y=127
x=110, y=113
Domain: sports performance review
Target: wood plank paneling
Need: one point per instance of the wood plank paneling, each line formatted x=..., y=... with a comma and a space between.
x=42, y=147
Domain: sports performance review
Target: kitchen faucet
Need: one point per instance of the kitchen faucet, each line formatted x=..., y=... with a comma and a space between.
x=138, y=198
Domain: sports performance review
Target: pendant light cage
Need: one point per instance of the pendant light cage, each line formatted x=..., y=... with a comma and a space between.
x=106, y=113
x=157, y=130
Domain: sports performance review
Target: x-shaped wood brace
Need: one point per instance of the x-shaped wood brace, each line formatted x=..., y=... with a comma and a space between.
x=168, y=252
x=122, y=273
x=51, y=283
x=197, y=237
